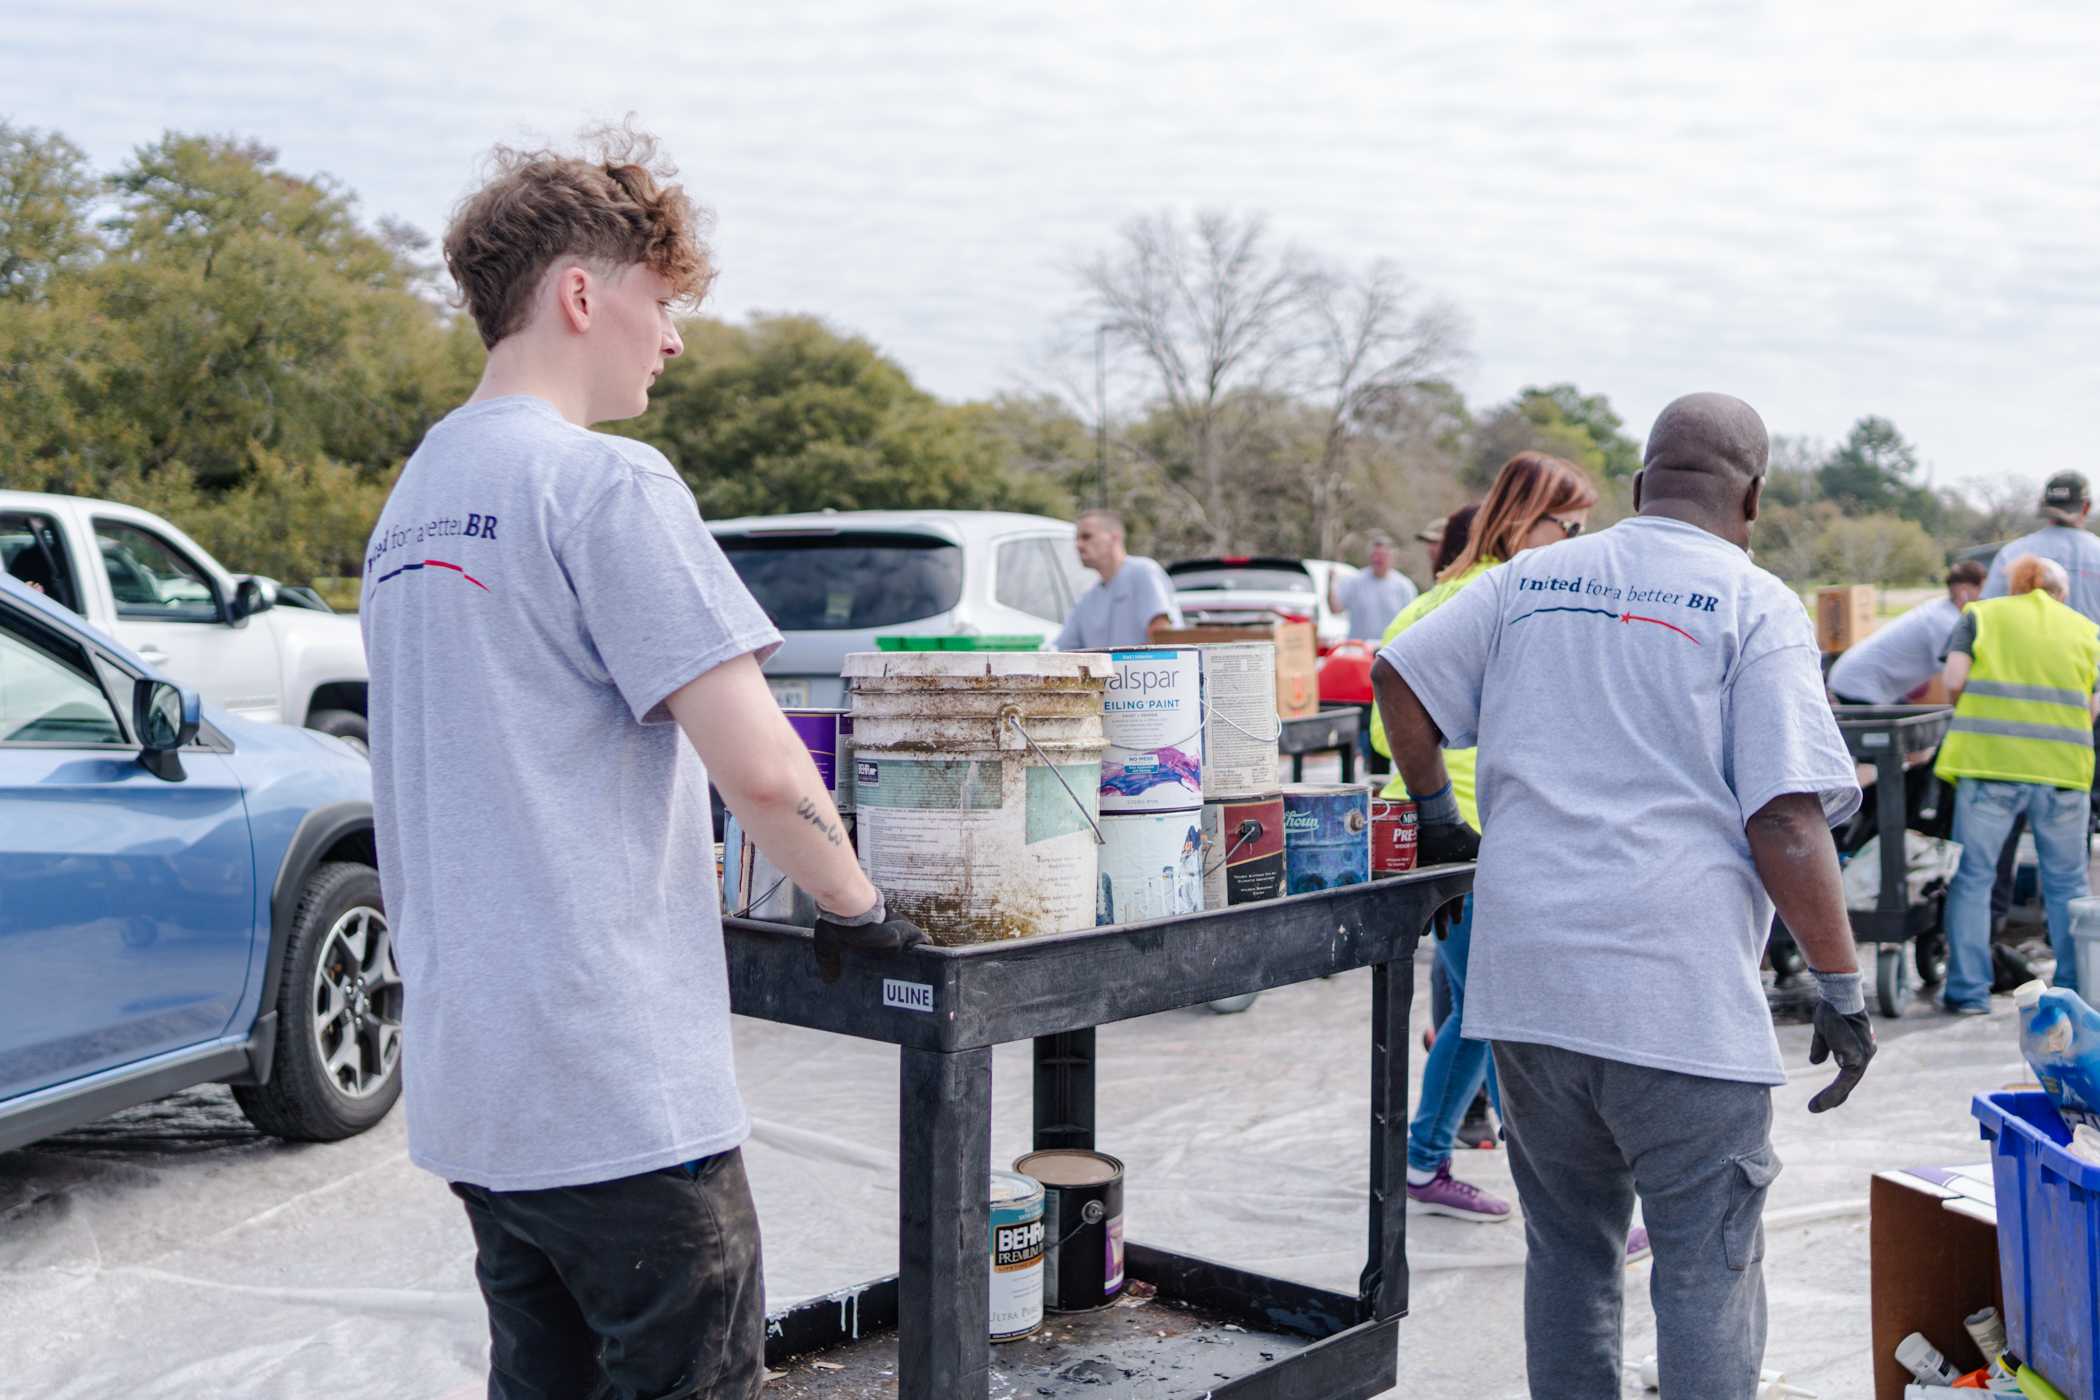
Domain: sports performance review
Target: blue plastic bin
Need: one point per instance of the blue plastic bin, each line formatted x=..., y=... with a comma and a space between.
x=2048, y=1239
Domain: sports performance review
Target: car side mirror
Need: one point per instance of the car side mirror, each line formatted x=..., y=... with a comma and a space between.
x=251, y=596
x=165, y=718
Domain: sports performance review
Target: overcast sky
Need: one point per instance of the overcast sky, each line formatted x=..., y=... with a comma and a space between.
x=1830, y=207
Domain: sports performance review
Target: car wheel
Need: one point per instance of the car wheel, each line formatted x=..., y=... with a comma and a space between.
x=337, y=1069
x=347, y=725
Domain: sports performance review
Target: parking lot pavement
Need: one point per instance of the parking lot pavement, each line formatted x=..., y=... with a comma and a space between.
x=173, y=1252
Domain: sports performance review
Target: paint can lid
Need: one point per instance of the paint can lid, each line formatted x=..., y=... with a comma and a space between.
x=1070, y=1166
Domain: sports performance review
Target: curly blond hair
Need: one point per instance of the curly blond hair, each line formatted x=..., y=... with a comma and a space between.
x=614, y=208
x=2031, y=571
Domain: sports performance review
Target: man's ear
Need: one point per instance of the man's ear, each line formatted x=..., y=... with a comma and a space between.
x=574, y=295
x=1752, y=497
x=1637, y=479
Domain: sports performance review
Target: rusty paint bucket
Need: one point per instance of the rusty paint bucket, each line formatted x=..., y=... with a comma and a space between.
x=975, y=788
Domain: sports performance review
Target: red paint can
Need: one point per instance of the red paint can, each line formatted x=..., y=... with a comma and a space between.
x=1393, y=832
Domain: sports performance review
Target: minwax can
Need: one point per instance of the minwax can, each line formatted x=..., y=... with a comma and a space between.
x=1016, y=1256
x=1393, y=836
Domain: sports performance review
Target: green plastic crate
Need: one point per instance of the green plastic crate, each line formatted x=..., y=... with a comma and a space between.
x=1009, y=642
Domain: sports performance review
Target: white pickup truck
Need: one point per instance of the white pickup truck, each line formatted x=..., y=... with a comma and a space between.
x=246, y=643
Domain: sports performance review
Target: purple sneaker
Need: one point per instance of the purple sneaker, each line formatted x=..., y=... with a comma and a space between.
x=1444, y=1194
x=1637, y=1247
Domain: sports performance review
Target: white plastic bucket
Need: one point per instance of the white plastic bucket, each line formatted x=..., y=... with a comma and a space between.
x=2085, y=936
x=975, y=780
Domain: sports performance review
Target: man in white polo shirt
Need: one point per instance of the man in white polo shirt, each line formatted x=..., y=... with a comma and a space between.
x=1658, y=767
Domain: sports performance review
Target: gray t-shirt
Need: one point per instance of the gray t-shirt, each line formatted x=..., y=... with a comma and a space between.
x=1636, y=696
x=532, y=595
x=1115, y=613
x=1373, y=602
x=2076, y=549
x=1898, y=657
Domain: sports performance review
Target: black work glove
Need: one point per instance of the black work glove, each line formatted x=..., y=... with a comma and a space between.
x=1849, y=1035
x=1446, y=843
x=872, y=932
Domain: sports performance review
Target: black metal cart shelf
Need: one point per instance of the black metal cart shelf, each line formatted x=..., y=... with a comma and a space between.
x=1208, y=1328
x=1883, y=735
x=1329, y=731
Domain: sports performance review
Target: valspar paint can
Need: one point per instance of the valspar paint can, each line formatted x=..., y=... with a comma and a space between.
x=1393, y=834
x=1017, y=1256
x=1240, y=728
x=1326, y=836
x=828, y=735
x=1083, y=1226
x=1151, y=866
x=1152, y=718
x=1242, y=851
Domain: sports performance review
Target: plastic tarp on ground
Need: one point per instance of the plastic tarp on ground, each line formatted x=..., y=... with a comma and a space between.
x=172, y=1252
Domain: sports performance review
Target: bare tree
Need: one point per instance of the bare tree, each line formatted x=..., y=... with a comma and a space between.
x=1370, y=339
x=1213, y=312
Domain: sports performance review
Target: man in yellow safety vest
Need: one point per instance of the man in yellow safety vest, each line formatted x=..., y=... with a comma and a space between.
x=2021, y=669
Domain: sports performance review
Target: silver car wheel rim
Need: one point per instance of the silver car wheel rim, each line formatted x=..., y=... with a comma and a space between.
x=357, y=1004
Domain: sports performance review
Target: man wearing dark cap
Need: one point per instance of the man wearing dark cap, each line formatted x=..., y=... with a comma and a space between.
x=2066, y=502
x=1658, y=768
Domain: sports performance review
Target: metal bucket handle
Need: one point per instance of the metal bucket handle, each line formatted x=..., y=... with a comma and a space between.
x=1214, y=713
x=1248, y=830
x=1013, y=718
x=1092, y=1213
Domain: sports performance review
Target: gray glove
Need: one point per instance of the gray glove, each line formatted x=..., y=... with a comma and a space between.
x=1843, y=1029
x=872, y=932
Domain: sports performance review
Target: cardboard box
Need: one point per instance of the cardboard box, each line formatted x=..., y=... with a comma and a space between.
x=1844, y=616
x=1297, y=657
x=1933, y=1237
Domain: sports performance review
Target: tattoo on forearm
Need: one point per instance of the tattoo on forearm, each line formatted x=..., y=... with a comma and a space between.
x=808, y=811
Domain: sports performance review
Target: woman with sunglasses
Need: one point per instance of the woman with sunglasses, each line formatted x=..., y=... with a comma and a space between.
x=1536, y=501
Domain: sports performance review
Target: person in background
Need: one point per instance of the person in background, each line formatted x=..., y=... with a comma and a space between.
x=1133, y=599
x=541, y=751
x=1451, y=537
x=2066, y=502
x=1658, y=768
x=2022, y=670
x=1899, y=656
x=1374, y=595
x=1536, y=501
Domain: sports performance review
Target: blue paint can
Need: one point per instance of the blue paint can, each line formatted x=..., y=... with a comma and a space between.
x=1326, y=836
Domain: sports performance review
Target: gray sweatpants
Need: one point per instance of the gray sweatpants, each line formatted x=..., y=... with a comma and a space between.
x=1587, y=1134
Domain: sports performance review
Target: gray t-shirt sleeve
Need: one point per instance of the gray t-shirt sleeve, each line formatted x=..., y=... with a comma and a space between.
x=1783, y=739
x=1995, y=582
x=1444, y=657
x=1963, y=638
x=658, y=597
x=1156, y=597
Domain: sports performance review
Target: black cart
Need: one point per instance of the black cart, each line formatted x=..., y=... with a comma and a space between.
x=1211, y=1329
x=1329, y=731
x=1882, y=735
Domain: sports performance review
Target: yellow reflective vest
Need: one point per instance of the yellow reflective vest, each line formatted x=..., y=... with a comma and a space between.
x=2025, y=715
x=1457, y=762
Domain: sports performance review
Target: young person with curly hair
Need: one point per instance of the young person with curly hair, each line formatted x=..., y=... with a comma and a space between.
x=561, y=660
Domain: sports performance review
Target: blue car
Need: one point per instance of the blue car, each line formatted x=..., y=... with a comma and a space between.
x=185, y=898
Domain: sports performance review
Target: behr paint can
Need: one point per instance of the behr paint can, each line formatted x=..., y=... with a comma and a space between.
x=1393, y=836
x=1016, y=1256
x=1083, y=1226
x=1242, y=851
x=1326, y=836
x=1151, y=866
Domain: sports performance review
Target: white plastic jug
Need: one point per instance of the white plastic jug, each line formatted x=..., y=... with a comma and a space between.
x=2060, y=1037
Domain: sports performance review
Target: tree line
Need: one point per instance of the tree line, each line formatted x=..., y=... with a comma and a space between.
x=208, y=335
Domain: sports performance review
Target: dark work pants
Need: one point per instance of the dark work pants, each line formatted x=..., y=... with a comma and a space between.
x=1586, y=1135
x=643, y=1288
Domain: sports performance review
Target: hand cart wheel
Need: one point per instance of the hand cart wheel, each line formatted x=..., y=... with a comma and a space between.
x=1891, y=978
x=1931, y=957
x=1231, y=1006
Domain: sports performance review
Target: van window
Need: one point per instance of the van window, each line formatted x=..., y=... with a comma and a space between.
x=847, y=580
x=1025, y=578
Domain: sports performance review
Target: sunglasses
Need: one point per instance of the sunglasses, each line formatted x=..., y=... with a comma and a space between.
x=1569, y=529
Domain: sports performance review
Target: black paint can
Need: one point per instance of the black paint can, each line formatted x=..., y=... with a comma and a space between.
x=1082, y=1226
